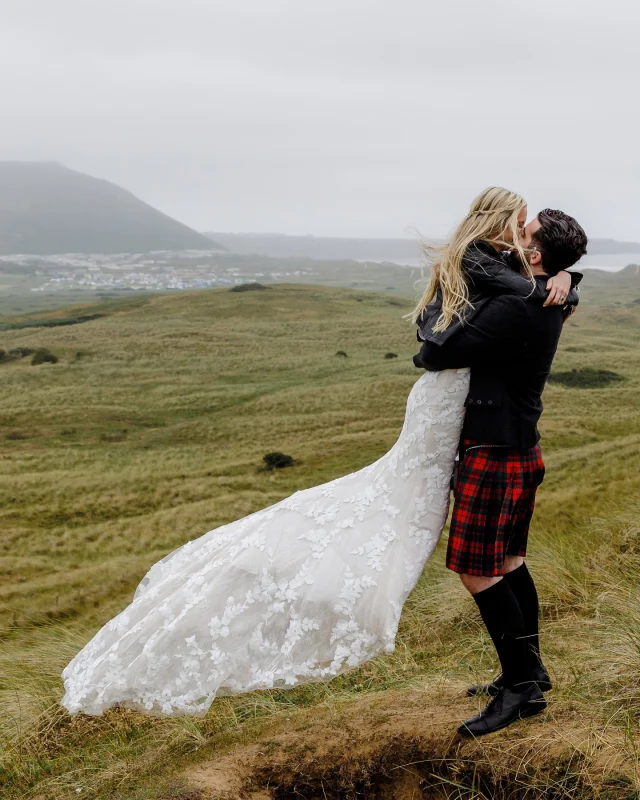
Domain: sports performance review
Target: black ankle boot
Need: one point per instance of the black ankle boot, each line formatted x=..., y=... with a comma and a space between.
x=540, y=676
x=506, y=707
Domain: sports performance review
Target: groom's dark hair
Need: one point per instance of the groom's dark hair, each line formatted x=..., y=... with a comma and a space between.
x=560, y=240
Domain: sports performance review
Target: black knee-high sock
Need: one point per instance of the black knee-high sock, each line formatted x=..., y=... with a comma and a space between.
x=524, y=589
x=502, y=615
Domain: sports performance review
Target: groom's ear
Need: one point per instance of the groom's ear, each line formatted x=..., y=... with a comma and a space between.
x=535, y=257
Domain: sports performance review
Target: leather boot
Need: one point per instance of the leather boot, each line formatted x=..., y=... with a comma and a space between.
x=506, y=707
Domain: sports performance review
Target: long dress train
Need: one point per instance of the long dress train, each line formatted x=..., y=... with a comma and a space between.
x=297, y=592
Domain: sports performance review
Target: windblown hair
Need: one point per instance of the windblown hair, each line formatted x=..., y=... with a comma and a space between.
x=560, y=240
x=493, y=218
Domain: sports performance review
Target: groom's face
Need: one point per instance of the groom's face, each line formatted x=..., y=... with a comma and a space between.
x=529, y=230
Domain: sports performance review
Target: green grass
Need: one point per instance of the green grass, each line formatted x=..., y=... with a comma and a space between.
x=151, y=429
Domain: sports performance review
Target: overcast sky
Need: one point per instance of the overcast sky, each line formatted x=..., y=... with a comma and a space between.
x=332, y=117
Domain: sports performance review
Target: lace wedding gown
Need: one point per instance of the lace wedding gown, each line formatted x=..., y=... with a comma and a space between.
x=300, y=591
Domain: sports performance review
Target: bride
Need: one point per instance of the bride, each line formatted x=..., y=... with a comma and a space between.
x=311, y=586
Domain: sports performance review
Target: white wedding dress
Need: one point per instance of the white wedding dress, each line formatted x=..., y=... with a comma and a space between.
x=300, y=591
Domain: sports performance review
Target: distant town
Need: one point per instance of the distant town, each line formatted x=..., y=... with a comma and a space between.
x=159, y=270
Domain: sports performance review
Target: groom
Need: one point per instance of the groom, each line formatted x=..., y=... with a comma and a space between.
x=509, y=346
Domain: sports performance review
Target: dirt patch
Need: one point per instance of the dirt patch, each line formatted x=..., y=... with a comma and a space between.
x=404, y=746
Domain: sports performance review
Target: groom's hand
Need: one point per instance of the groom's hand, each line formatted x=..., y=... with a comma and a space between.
x=420, y=364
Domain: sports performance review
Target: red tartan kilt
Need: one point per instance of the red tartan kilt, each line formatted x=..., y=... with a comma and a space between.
x=494, y=501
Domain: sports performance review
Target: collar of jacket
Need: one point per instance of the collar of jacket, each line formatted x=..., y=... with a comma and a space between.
x=483, y=245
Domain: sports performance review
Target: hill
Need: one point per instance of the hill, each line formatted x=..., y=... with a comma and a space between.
x=150, y=430
x=599, y=247
x=281, y=246
x=47, y=208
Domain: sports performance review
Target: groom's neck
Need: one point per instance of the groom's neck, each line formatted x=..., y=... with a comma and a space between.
x=538, y=270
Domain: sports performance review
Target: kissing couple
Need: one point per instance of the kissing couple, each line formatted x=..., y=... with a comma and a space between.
x=314, y=585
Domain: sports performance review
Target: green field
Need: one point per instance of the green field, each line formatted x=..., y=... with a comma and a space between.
x=151, y=429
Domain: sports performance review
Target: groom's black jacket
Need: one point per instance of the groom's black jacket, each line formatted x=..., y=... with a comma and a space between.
x=509, y=346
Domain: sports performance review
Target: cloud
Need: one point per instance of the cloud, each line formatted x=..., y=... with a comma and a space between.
x=346, y=118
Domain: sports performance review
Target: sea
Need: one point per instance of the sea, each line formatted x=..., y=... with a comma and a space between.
x=608, y=263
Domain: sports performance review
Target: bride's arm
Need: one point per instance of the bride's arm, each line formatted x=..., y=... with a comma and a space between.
x=493, y=337
x=496, y=275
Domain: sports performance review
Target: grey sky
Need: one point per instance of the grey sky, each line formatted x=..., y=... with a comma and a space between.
x=334, y=117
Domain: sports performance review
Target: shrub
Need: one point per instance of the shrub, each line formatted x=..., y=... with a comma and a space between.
x=341, y=353
x=49, y=323
x=277, y=461
x=248, y=287
x=114, y=436
x=15, y=436
x=16, y=352
x=73, y=320
x=43, y=356
x=390, y=355
x=21, y=352
x=585, y=378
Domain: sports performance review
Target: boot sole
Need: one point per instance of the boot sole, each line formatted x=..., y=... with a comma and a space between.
x=533, y=708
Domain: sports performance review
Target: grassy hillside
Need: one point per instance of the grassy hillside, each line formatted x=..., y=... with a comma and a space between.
x=150, y=430
x=48, y=208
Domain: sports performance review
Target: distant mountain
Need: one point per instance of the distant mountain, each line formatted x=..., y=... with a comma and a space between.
x=47, y=208
x=609, y=247
x=279, y=245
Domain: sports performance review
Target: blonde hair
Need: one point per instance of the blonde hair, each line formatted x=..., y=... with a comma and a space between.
x=493, y=214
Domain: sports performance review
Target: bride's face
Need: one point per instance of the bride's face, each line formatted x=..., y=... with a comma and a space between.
x=522, y=221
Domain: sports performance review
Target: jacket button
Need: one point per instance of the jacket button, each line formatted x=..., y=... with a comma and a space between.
x=490, y=402
x=479, y=402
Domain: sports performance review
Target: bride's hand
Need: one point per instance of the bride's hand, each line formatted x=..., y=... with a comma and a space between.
x=559, y=287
